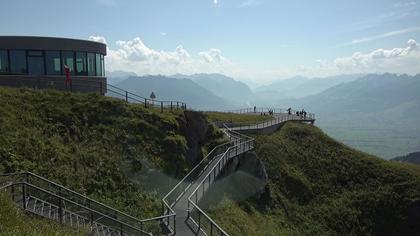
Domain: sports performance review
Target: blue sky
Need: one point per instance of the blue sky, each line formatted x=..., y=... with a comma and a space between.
x=258, y=40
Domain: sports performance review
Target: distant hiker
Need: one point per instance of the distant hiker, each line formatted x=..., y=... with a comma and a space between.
x=255, y=109
x=289, y=111
x=297, y=113
x=304, y=113
x=153, y=97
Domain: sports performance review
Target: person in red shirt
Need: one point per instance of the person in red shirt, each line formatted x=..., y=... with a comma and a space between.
x=67, y=73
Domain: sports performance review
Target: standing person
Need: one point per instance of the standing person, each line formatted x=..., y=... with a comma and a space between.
x=289, y=111
x=255, y=109
x=67, y=73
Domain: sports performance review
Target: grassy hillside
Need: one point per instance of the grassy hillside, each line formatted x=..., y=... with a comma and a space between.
x=317, y=186
x=99, y=146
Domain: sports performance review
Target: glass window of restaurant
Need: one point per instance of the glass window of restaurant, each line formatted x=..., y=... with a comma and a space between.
x=17, y=61
x=91, y=64
x=4, y=61
x=81, y=67
x=53, y=62
x=68, y=60
x=36, y=63
x=103, y=65
x=98, y=65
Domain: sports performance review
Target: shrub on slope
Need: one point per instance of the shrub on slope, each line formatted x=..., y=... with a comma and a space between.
x=99, y=146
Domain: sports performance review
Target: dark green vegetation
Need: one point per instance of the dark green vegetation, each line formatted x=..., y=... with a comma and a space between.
x=101, y=147
x=13, y=222
x=317, y=186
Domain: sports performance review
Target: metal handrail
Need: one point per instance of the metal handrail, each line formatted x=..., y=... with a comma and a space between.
x=190, y=173
x=76, y=204
x=71, y=191
x=250, y=110
x=124, y=93
x=240, y=137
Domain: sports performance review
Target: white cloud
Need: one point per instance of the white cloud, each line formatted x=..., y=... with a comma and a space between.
x=135, y=55
x=395, y=60
x=98, y=39
x=404, y=4
x=248, y=3
x=384, y=59
x=381, y=36
x=212, y=56
x=135, y=50
x=216, y=2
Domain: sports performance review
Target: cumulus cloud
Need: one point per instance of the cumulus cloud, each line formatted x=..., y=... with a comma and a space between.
x=136, y=51
x=380, y=57
x=248, y=3
x=212, y=56
x=135, y=55
x=98, y=39
x=395, y=60
x=381, y=36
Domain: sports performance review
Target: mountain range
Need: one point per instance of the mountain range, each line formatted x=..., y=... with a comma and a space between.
x=166, y=88
x=376, y=113
x=235, y=92
x=413, y=158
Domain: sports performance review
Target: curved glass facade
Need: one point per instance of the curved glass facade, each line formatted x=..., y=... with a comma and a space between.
x=51, y=62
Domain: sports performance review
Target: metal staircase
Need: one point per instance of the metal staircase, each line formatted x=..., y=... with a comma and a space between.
x=41, y=197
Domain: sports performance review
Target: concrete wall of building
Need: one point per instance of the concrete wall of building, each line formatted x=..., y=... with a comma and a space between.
x=77, y=84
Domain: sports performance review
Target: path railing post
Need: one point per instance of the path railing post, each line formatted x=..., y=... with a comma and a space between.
x=60, y=210
x=24, y=195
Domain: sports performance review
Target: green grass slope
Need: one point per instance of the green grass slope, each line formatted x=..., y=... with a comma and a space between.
x=317, y=186
x=237, y=118
x=101, y=147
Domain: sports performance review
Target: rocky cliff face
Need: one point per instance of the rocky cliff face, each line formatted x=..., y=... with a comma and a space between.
x=199, y=134
x=244, y=177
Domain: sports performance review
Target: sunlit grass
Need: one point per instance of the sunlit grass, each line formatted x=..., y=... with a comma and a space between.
x=250, y=118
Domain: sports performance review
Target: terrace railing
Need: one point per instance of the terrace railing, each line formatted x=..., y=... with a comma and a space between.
x=113, y=91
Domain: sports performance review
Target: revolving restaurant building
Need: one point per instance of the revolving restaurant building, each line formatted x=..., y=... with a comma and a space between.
x=40, y=62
